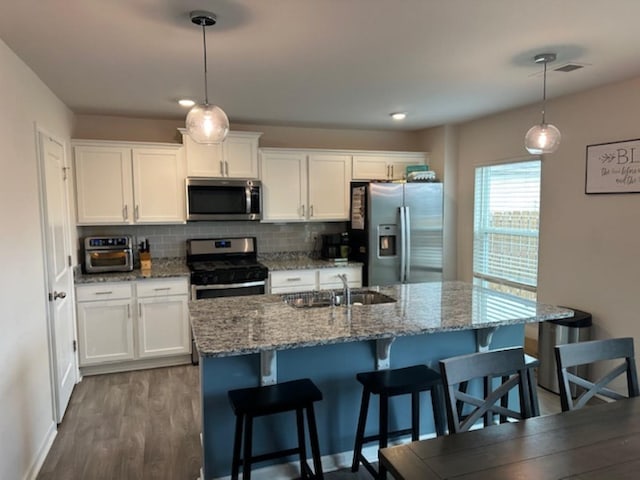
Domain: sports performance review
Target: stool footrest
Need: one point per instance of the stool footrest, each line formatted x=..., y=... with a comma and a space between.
x=271, y=455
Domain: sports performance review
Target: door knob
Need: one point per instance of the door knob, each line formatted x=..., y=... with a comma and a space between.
x=57, y=295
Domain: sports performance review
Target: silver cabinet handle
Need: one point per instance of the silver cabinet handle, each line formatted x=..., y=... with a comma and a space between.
x=311, y=210
x=294, y=279
x=125, y=212
x=159, y=289
x=106, y=292
x=139, y=310
x=128, y=311
x=391, y=172
x=221, y=168
x=136, y=213
x=226, y=168
x=302, y=210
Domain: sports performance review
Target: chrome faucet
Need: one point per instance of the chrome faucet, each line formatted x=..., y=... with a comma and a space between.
x=347, y=290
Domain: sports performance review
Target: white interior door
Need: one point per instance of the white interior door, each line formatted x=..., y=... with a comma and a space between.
x=59, y=279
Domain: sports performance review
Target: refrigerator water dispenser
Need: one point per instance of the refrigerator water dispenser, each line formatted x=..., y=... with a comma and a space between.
x=387, y=240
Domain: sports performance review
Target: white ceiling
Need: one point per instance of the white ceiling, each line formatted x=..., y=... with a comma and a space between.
x=326, y=63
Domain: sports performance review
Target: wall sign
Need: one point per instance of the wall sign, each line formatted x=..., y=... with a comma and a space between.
x=613, y=167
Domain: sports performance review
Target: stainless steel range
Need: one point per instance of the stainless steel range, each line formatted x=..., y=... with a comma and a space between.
x=224, y=267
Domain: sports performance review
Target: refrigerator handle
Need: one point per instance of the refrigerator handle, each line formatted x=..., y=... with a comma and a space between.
x=403, y=251
x=407, y=244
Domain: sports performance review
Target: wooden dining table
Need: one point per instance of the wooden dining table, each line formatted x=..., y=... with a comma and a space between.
x=595, y=442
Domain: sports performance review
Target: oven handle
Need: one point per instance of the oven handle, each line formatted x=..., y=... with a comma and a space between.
x=225, y=286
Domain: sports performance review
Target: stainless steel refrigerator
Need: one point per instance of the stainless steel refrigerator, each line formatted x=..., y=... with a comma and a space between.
x=395, y=229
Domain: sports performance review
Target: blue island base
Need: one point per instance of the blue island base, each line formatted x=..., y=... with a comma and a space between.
x=333, y=369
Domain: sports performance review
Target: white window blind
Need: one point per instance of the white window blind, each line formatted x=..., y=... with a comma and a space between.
x=506, y=222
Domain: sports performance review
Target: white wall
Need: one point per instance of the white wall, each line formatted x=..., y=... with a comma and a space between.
x=588, y=243
x=26, y=417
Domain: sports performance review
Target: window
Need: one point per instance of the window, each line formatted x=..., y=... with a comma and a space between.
x=505, y=227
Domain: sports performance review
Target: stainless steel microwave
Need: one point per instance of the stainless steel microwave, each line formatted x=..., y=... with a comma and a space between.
x=210, y=199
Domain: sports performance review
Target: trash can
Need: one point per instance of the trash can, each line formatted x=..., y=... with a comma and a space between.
x=559, y=332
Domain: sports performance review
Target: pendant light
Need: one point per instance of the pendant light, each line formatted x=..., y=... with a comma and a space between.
x=207, y=124
x=544, y=137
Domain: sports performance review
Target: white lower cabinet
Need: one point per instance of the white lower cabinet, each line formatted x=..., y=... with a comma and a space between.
x=163, y=319
x=105, y=323
x=129, y=321
x=328, y=277
x=287, y=281
x=290, y=281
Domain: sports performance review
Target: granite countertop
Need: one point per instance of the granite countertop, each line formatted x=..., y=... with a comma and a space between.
x=160, y=268
x=300, y=261
x=241, y=325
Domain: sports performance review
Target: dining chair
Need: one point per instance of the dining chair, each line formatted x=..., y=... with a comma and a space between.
x=583, y=353
x=501, y=372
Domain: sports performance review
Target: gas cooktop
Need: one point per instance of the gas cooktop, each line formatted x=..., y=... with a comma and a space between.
x=224, y=261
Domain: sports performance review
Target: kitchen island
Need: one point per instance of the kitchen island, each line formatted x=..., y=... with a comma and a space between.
x=244, y=341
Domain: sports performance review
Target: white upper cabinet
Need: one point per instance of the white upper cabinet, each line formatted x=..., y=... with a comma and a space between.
x=158, y=186
x=305, y=186
x=385, y=165
x=236, y=157
x=124, y=183
x=284, y=186
x=103, y=185
x=329, y=177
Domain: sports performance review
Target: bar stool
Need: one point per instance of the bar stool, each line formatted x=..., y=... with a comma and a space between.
x=390, y=383
x=248, y=403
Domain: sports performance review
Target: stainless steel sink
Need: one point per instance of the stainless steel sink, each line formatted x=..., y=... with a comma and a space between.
x=368, y=297
x=332, y=298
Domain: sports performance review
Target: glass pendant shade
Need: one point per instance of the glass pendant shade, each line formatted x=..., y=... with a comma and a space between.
x=207, y=124
x=542, y=138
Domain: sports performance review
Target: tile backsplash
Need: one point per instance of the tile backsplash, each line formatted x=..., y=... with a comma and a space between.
x=170, y=240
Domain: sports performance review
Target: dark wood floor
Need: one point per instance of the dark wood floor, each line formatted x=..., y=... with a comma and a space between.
x=145, y=425
x=135, y=425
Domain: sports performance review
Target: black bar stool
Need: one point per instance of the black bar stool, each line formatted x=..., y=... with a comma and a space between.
x=390, y=383
x=248, y=403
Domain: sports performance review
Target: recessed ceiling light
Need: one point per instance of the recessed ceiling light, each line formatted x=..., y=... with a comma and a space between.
x=399, y=115
x=186, y=102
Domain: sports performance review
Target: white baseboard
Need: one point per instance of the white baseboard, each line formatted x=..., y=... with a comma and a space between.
x=143, y=364
x=330, y=463
x=42, y=452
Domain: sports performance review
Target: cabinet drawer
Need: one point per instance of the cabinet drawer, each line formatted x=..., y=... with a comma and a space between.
x=293, y=278
x=162, y=288
x=103, y=291
x=328, y=277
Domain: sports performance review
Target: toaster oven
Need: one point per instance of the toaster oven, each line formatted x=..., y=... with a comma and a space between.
x=108, y=254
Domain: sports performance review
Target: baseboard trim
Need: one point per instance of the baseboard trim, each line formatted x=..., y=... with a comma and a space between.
x=330, y=463
x=41, y=455
x=143, y=364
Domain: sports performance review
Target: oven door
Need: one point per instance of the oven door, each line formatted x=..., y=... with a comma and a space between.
x=199, y=292
x=96, y=261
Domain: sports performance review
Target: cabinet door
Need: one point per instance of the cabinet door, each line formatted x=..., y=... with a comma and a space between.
x=328, y=277
x=202, y=160
x=163, y=326
x=329, y=177
x=284, y=185
x=288, y=281
x=103, y=185
x=105, y=331
x=159, y=190
x=399, y=166
x=240, y=155
x=371, y=167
